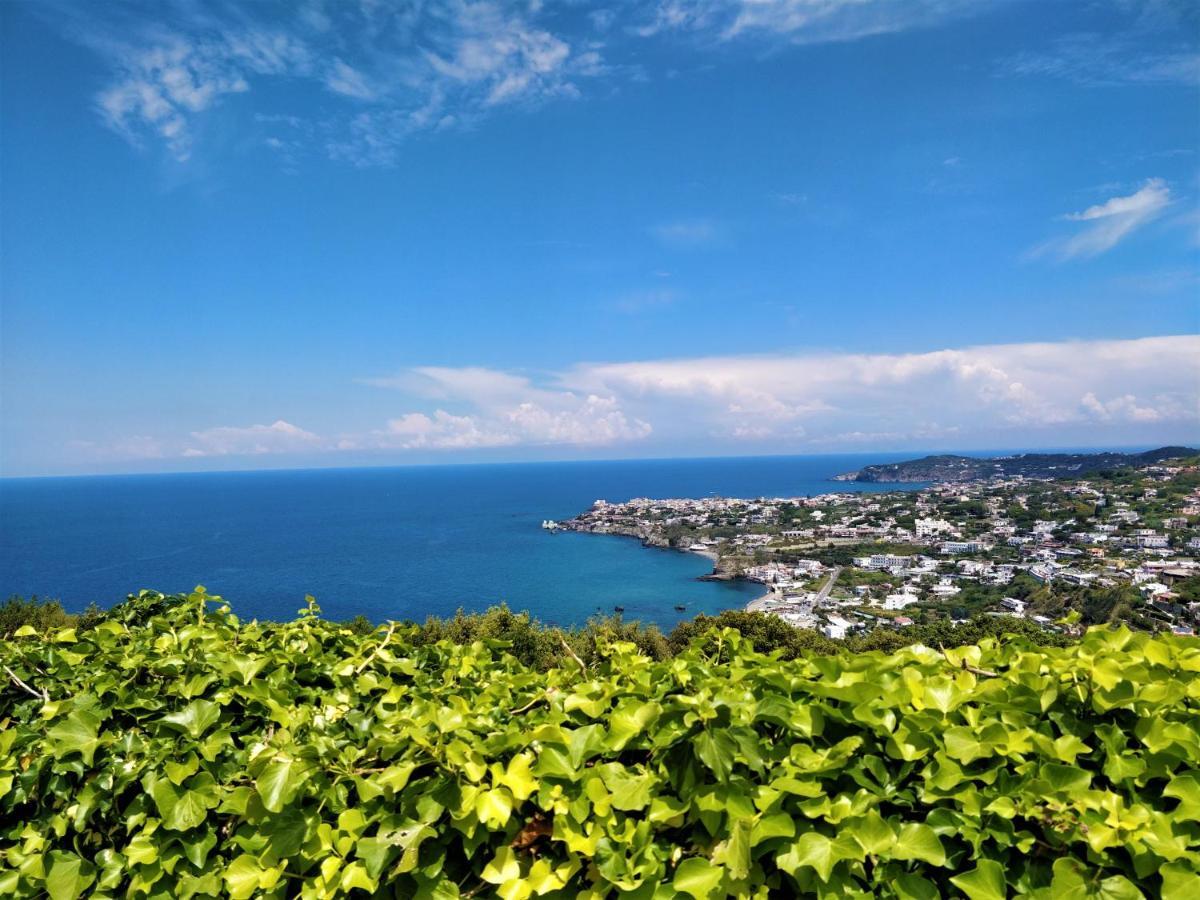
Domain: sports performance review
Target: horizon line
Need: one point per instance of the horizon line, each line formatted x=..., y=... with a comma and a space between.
x=917, y=453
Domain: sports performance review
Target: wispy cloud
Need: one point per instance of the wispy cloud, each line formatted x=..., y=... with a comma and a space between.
x=1107, y=224
x=389, y=69
x=344, y=79
x=401, y=67
x=686, y=233
x=166, y=79
x=802, y=21
x=1098, y=60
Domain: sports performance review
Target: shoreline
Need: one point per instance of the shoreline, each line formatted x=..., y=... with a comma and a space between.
x=711, y=555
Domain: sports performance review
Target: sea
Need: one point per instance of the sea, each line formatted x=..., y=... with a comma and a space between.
x=386, y=543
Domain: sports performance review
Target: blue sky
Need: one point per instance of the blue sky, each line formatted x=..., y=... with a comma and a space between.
x=265, y=235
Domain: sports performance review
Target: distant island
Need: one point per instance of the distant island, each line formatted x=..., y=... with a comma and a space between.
x=951, y=468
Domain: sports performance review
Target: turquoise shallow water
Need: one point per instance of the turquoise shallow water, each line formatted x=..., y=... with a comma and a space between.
x=386, y=543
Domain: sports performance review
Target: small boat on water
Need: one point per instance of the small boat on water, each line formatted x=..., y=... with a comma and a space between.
x=618, y=609
x=679, y=607
x=550, y=525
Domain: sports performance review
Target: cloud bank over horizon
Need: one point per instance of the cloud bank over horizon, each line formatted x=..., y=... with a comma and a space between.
x=1048, y=393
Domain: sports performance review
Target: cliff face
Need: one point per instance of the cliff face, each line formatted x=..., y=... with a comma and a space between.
x=644, y=533
x=952, y=469
x=724, y=569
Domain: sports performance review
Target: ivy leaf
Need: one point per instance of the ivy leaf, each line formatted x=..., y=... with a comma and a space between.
x=734, y=853
x=911, y=886
x=1179, y=881
x=182, y=808
x=717, y=752
x=1186, y=789
x=1069, y=882
x=773, y=826
x=1066, y=779
x=69, y=875
x=503, y=867
x=78, y=733
x=197, y=847
x=286, y=832
x=811, y=849
x=697, y=878
x=984, y=882
x=518, y=777
x=917, y=841
x=279, y=782
x=195, y=718
x=630, y=790
x=873, y=834
x=630, y=720
x=242, y=877
x=494, y=807
x=963, y=745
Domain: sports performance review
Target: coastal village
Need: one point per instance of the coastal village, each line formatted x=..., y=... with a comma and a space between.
x=1118, y=545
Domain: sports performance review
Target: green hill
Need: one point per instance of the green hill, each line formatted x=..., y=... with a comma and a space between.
x=1030, y=465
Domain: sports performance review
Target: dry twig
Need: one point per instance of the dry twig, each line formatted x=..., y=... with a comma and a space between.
x=582, y=667
x=33, y=692
x=984, y=673
x=386, y=638
x=544, y=697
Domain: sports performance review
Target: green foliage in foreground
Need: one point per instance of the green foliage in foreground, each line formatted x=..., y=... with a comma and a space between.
x=195, y=755
x=545, y=647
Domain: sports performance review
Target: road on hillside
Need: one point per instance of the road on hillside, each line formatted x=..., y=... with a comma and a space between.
x=761, y=603
x=828, y=586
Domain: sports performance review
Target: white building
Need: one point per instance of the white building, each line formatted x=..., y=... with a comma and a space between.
x=900, y=600
x=963, y=546
x=837, y=628
x=930, y=527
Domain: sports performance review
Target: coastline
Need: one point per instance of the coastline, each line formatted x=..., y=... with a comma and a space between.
x=720, y=576
x=715, y=558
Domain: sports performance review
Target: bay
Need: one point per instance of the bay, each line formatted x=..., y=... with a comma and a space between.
x=402, y=542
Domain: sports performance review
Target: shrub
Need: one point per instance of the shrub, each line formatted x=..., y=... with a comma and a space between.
x=197, y=755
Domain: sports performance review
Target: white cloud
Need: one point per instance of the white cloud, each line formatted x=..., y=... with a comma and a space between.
x=278, y=437
x=803, y=21
x=166, y=79
x=1127, y=408
x=817, y=399
x=1013, y=387
x=1049, y=394
x=502, y=409
x=440, y=431
x=421, y=66
x=346, y=80
x=1109, y=223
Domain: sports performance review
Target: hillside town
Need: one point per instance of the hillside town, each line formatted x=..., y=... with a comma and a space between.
x=1113, y=546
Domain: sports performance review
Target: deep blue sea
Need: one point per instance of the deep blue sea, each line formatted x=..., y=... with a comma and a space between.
x=384, y=542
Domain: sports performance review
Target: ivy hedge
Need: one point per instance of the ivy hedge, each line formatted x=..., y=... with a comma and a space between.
x=189, y=754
